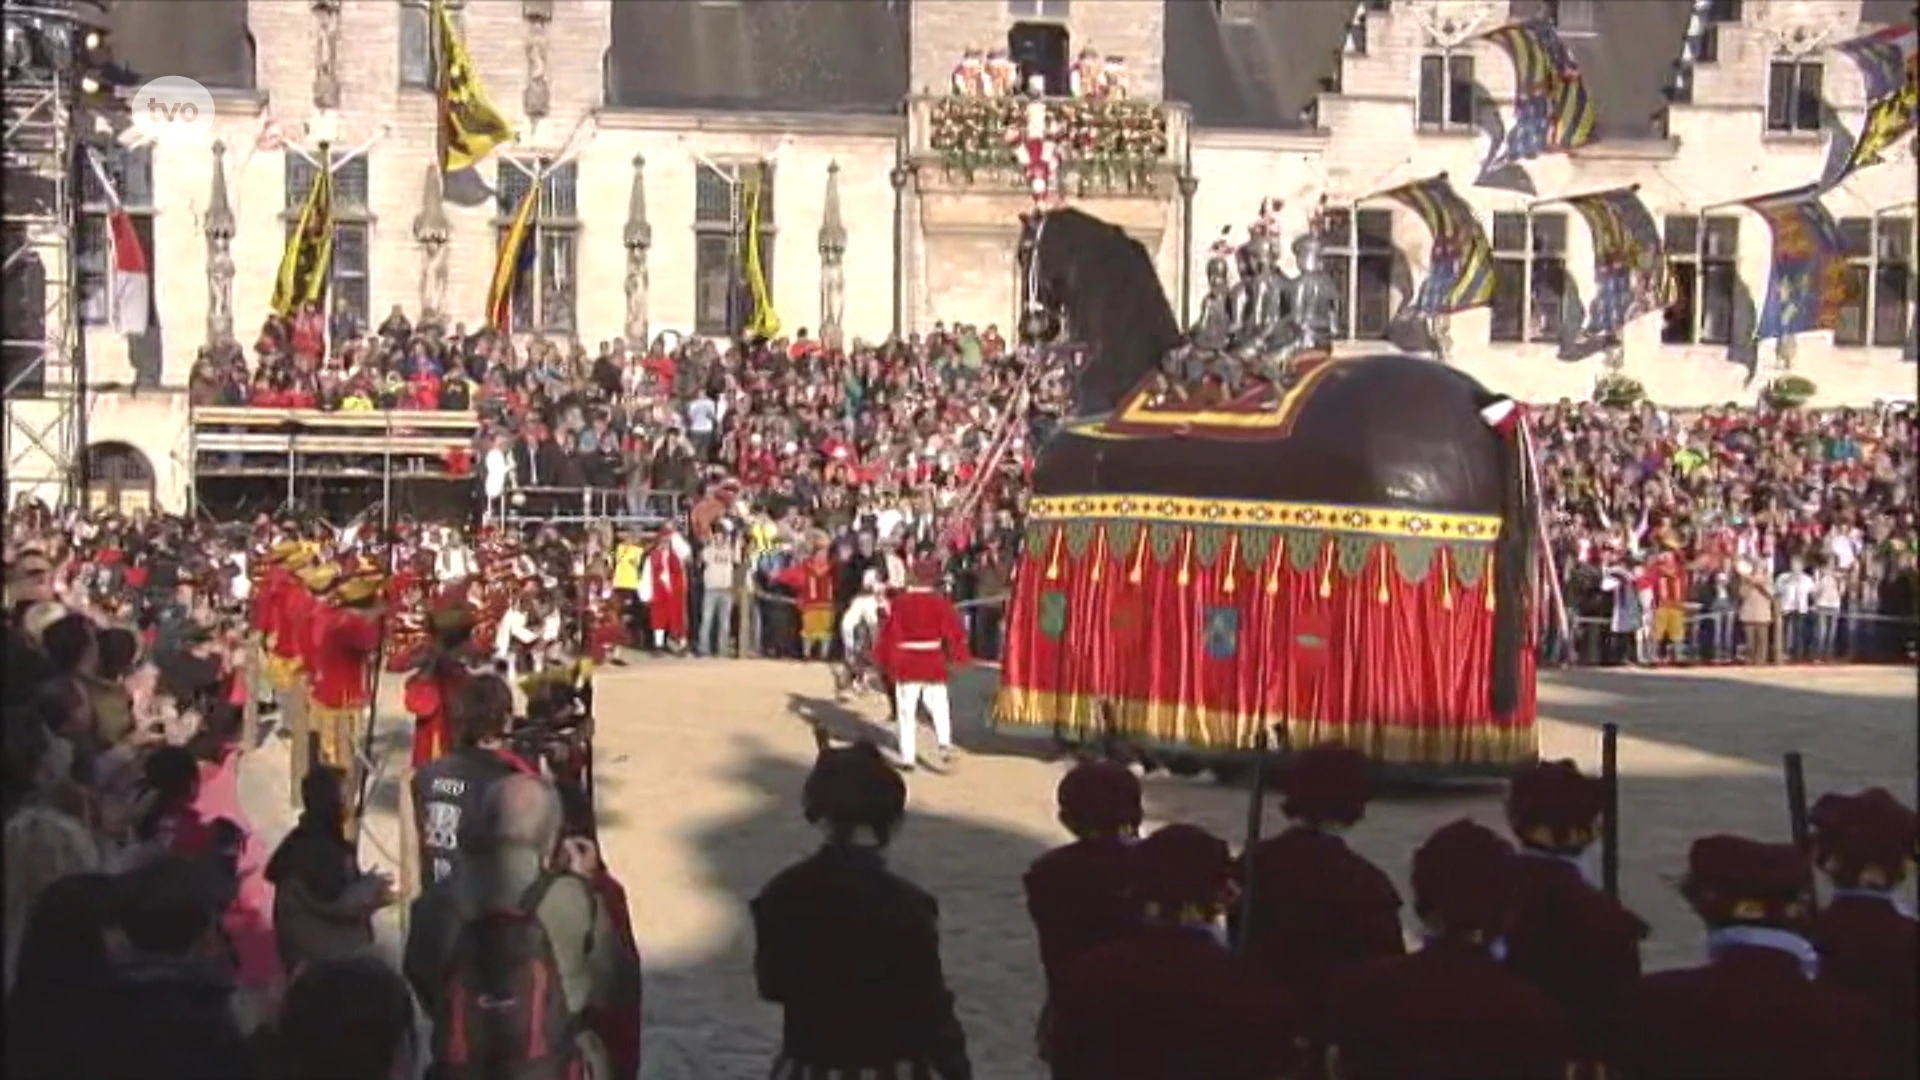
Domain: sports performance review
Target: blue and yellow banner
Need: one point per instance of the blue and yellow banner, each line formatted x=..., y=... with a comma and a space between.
x=1629, y=266
x=515, y=257
x=1460, y=270
x=1553, y=112
x=1808, y=283
x=1891, y=74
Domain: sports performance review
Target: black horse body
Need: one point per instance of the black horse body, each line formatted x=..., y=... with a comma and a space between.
x=1388, y=430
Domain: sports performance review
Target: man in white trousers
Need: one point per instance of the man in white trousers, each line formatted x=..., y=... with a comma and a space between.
x=919, y=636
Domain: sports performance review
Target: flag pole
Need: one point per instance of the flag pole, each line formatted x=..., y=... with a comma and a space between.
x=1631, y=189
x=326, y=281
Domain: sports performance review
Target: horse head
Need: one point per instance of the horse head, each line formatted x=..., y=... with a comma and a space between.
x=1101, y=284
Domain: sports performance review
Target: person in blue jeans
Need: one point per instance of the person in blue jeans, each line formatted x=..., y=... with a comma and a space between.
x=718, y=560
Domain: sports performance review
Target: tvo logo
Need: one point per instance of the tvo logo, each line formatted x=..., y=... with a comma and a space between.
x=173, y=110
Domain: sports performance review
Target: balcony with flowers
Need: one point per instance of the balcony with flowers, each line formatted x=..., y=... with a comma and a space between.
x=1100, y=142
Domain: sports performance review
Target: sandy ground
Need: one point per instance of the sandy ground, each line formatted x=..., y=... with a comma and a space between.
x=701, y=764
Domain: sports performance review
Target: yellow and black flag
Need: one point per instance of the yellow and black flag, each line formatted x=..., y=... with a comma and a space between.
x=763, y=323
x=470, y=126
x=515, y=258
x=308, y=257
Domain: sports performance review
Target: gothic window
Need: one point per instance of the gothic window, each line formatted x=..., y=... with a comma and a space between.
x=1703, y=255
x=1880, y=282
x=544, y=299
x=1359, y=255
x=350, y=274
x=721, y=298
x=131, y=172
x=1529, y=276
x=1794, y=102
x=1446, y=91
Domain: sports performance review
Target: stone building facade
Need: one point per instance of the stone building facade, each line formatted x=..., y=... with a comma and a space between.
x=1299, y=102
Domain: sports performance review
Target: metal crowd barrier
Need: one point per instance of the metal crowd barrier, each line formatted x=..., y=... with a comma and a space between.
x=584, y=505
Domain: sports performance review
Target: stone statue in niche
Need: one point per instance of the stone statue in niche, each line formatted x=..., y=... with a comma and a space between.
x=326, y=52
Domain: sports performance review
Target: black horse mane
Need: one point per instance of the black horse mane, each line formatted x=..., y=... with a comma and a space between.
x=1106, y=283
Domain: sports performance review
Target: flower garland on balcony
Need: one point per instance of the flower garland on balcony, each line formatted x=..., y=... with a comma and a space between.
x=1111, y=145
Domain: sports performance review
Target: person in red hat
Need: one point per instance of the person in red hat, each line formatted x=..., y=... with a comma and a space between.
x=1080, y=896
x=1567, y=937
x=346, y=639
x=1452, y=1009
x=1167, y=1002
x=1756, y=1009
x=1320, y=908
x=1865, y=936
x=919, y=636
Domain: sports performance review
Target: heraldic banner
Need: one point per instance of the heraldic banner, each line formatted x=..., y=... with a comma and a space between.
x=1197, y=623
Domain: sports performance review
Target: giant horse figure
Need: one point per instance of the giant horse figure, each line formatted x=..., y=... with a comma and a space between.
x=1352, y=560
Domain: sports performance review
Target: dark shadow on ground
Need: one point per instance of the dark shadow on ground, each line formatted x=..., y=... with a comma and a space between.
x=706, y=1018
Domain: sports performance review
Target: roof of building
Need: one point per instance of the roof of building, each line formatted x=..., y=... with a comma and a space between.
x=1252, y=65
x=205, y=40
x=815, y=56
x=1627, y=60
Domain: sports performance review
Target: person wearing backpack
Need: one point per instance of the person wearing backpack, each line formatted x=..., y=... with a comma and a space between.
x=510, y=952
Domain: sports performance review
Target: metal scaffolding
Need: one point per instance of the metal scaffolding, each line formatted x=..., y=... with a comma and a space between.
x=45, y=391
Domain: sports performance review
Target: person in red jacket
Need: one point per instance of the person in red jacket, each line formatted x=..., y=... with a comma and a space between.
x=346, y=636
x=919, y=636
x=443, y=670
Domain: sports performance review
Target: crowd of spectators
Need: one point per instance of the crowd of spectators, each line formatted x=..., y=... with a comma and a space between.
x=1793, y=529
x=150, y=929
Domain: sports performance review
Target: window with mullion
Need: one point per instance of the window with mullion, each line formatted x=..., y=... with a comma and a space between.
x=721, y=300
x=1880, y=282
x=1358, y=254
x=1446, y=91
x=1794, y=96
x=131, y=173
x=1703, y=260
x=545, y=293
x=1529, y=276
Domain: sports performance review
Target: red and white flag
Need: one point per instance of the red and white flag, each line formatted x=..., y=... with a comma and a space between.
x=132, y=277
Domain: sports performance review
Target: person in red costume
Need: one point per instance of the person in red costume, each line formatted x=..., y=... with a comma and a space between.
x=812, y=584
x=440, y=675
x=663, y=588
x=920, y=635
x=346, y=636
x=292, y=616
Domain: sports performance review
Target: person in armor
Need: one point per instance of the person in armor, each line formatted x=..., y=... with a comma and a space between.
x=1756, y=1009
x=1313, y=305
x=448, y=790
x=1168, y=1002
x=1080, y=896
x=1451, y=1009
x=1568, y=938
x=1213, y=328
x=850, y=950
x=1319, y=908
x=1865, y=935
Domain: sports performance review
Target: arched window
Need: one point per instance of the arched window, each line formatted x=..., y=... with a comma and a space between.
x=119, y=477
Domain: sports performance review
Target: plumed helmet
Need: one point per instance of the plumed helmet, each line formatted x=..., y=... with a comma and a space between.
x=1100, y=796
x=1463, y=878
x=1863, y=839
x=853, y=786
x=1551, y=806
x=1180, y=865
x=1732, y=879
x=1328, y=783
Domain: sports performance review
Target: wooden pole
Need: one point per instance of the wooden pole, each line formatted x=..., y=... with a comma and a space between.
x=1256, y=811
x=1795, y=768
x=1610, y=809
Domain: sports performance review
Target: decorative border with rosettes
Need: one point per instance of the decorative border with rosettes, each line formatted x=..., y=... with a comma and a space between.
x=1254, y=514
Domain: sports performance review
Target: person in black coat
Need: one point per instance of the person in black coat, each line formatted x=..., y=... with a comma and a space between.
x=850, y=950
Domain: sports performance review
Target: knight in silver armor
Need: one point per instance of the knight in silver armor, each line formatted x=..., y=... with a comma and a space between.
x=1314, y=299
x=1214, y=326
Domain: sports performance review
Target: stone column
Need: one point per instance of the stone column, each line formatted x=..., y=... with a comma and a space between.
x=538, y=99
x=326, y=52
x=833, y=250
x=219, y=226
x=638, y=238
x=431, y=231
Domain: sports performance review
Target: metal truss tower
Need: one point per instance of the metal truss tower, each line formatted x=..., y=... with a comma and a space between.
x=45, y=374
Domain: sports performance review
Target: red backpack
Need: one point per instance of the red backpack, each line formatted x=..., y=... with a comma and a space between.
x=505, y=1012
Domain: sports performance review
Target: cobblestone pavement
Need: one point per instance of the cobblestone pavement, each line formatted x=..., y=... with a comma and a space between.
x=701, y=764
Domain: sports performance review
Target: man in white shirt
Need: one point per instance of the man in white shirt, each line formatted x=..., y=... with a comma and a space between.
x=703, y=414
x=1794, y=591
x=1829, y=589
x=496, y=468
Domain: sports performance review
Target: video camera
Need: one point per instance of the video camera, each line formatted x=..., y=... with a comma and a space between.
x=557, y=734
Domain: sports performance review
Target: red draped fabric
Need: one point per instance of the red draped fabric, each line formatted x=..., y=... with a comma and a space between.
x=1197, y=640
